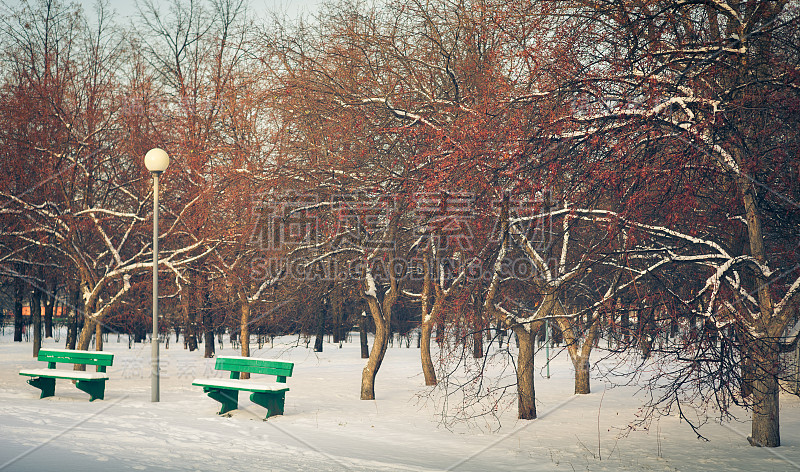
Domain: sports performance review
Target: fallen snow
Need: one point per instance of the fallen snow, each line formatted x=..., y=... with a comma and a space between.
x=326, y=427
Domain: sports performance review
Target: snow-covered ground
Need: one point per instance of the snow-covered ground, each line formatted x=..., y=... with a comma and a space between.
x=326, y=426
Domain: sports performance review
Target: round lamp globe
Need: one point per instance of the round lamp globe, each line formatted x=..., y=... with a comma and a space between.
x=156, y=160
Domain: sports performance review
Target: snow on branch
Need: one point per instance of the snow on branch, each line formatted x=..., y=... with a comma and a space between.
x=105, y=211
x=739, y=50
x=397, y=112
x=371, y=291
x=782, y=308
x=532, y=253
x=331, y=254
x=720, y=5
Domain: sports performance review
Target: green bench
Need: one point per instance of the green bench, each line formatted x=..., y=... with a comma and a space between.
x=270, y=395
x=93, y=383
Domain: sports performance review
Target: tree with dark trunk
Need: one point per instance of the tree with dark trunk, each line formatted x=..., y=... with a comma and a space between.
x=709, y=86
x=362, y=335
x=189, y=311
x=35, y=306
x=19, y=293
x=319, y=337
x=381, y=310
x=71, y=124
x=526, y=393
x=75, y=315
x=51, y=303
x=439, y=287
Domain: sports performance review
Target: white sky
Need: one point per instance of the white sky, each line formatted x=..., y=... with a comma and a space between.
x=127, y=8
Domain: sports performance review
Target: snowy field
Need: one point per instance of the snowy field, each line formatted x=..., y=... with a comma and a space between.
x=327, y=428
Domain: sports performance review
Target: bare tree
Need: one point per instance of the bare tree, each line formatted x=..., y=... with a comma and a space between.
x=711, y=61
x=90, y=207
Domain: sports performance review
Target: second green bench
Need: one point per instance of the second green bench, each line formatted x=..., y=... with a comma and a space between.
x=270, y=395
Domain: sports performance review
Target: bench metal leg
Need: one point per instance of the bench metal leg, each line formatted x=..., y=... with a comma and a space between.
x=45, y=384
x=228, y=398
x=272, y=401
x=95, y=388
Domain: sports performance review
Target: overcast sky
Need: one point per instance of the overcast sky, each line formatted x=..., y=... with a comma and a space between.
x=127, y=8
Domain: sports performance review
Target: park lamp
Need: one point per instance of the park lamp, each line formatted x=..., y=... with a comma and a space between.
x=156, y=160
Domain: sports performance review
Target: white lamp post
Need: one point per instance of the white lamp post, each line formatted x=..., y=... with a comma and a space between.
x=156, y=160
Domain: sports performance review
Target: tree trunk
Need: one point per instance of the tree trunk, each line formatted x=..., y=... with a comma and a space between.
x=479, y=323
x=85, y=337
x=425, y=354
x=19, y=293
x=579, y=352
x=244, y=332
x=208, y=328
x=336, y=306
x=72, y=329
x=581, y=376
x=796, y=383
x=747, y=375
x=526, y=394
x=427, y=313
x=363, y=336
x=382, y=315
x=139, y=333
x=501, y=334
x=209, y=344
x=625, y=324
x=673, y=327
x=89, y=328
x=190, y=320
x=645, y=340
x=49, y=308
x=477, y=344
x=98, y=337
x=36, y=319
x=766, y=426
x=765, y=396
x=320, y=329
x=377, y=353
